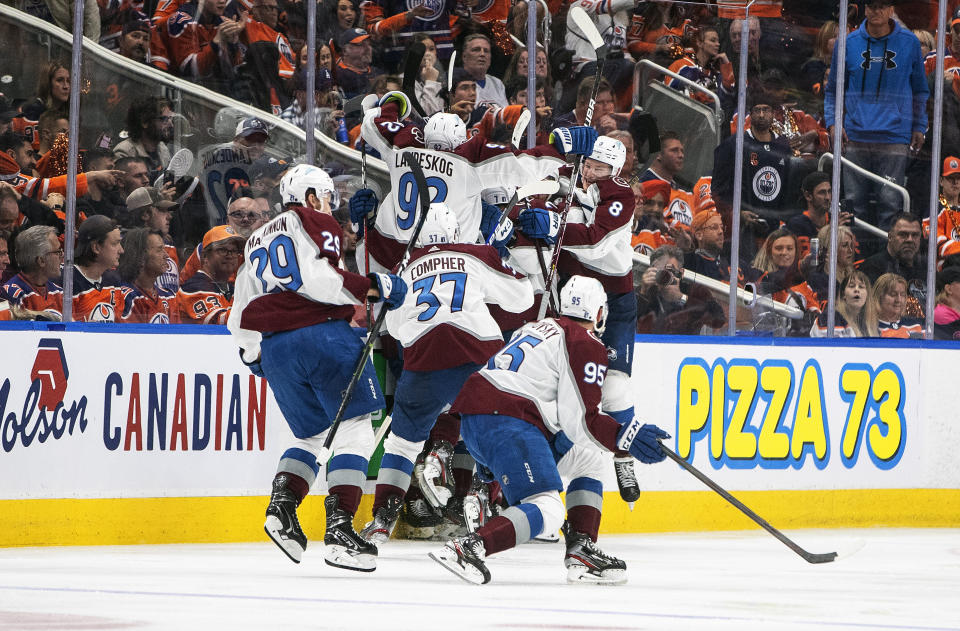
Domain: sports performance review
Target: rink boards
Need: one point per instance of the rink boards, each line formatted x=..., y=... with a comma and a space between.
x=123, y=435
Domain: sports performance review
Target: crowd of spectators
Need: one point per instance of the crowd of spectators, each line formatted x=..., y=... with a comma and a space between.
x=475, y=65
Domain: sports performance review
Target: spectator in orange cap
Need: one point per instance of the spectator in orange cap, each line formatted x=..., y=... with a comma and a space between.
x=707, y=259
x=206, y=297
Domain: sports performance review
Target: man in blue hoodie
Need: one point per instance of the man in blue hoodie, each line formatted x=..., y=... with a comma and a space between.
x=885, y=107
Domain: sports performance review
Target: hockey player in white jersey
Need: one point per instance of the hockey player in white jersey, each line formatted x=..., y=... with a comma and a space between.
x=545, y=383
x=447, y=334
x=291, y=317
x=596, y=243
x=457, y=170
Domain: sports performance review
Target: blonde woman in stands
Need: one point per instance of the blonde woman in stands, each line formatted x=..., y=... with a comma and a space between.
x=855, y=313
x=889, y=298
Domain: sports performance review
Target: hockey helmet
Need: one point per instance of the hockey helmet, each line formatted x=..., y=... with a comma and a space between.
x=301, y=179
x=440, y=226
x=225, y=123
x=496, y=195
x=609, y=151
x=444, y=132
x=584, y=298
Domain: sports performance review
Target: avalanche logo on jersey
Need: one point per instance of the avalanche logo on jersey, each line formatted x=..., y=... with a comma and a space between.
x=50, y=368
x=103, y=312
x=766, y=184
x=435, y=6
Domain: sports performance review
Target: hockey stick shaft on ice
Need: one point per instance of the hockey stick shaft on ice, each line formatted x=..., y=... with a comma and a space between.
x=583, y=21
x=809, y=557
x=423, y=192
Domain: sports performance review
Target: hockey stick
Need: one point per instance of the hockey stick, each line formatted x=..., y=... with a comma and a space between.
x=520, y=128
x=579, y=16
x=369, y=222
x=424, y=193
x=544, y=187
x=809, y=557
x=411, y=70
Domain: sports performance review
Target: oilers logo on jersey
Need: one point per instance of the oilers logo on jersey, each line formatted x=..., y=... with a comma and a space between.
x=435, y=6
x=103, y=312
x=766, y=184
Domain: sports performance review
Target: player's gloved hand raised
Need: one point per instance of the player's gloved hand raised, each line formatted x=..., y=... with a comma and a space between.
x=502, y=237
x=401, y=99
x=392, y=289
x=574, y=140
x=540, y=223
x=362, y=204
x=488, y=219
x=254, y=366
x=642, y=441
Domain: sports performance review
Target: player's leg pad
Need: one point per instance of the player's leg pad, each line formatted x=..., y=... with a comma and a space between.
x=282, y=525
x=434, y=477
x=587, y=563
x=464, y=556
x=384, y=521
x=344, y=547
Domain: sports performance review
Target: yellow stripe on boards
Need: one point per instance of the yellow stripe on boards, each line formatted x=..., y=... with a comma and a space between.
x=129, y=521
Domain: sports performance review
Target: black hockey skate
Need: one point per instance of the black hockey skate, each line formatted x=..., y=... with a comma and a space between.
x=434, y=475
x=345, y=548
x=384, y=521
x=626, y=479
x=282, y=525
x=464, y=557
x=587, y=563
x=420, y=520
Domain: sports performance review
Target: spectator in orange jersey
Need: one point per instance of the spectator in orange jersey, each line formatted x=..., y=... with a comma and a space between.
x=242, y=215
x=948, y=219
x=39, y=256
x=889, y=298
x=96, y=292
x=707, y=67
x=776, y=272
x=143, y=261
x=855, y=315
x=649, y=229
x=206, y=297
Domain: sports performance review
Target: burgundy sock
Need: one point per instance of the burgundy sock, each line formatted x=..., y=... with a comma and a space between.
x=296, y=484
x=383, y=493
x=349, y=497
x=498, y=534
x=584, y=519
x=446, y=428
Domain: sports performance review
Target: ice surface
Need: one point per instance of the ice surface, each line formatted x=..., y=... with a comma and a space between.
x=901, y=579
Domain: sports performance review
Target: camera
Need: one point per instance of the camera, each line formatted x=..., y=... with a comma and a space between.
x=665, y=277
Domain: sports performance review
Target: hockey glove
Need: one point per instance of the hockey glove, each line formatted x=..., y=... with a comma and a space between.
x=540, y=223
x=502, y=238
x=489, y=219
x=401, y=99
x=362, y=204
x=254, y=366
x=642, y=441
x=392, y=289
x=574, y=140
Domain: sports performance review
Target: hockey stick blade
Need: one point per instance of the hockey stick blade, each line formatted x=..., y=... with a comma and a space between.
x=453, y=59
x=544, y=187
x=809, y=557
x=585, y=24
x=520, y=127
x=411, y=70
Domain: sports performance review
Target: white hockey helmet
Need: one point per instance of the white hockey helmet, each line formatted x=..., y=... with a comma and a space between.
x=609, y=151
x=303, y=178
x=444, y=132
x=584, y=298
x=496, y=195
x=440, y=226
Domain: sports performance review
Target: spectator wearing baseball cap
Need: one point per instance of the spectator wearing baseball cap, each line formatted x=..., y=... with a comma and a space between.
x=148, y=209
x=948, y=218
x=353, y=71
x=265, y=174
x=252, y=134
x=946, y=315
x=296, y=112
x=134, y=41
x=7, y=113
x=206, y=297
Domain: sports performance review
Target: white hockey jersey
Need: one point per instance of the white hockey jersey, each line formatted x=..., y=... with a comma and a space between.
x=444, y=321
x=551, y=375
x=454, y=177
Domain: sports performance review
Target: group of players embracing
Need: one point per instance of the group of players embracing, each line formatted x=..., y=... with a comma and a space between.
x=544, y=408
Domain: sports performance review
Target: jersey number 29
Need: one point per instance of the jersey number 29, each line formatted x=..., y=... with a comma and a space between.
x=281, y=256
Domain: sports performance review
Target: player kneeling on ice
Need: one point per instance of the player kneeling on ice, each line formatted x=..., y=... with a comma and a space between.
x=291, y=317
x=447, y=335
x=544, y=385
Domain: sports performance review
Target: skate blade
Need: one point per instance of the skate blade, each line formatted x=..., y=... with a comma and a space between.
x=376, y=537
x=546, y=537
x=341, y=557
x=291, y=548
x=448, y=559
x=581, y=574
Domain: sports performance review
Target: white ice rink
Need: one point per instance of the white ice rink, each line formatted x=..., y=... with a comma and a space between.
x=901, y=579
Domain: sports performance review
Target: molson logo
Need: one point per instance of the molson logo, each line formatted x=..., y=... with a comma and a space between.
x=43, y=414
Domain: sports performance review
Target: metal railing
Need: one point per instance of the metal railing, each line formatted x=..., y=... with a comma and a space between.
x=640, y=80
x=847, y=164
